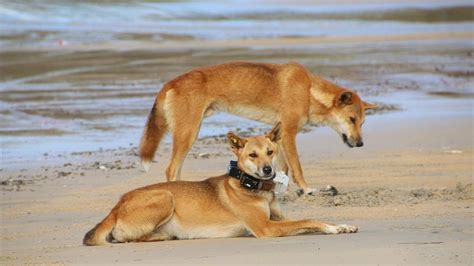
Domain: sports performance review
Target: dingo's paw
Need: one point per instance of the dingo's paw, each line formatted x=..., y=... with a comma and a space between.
x=341, y=228
x=146, y=165
x=348, y=228
x=329, y=191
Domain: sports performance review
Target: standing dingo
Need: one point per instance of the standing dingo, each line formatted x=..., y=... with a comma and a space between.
x=260, y=91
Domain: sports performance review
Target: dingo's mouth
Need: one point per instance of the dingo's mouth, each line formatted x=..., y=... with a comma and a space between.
x=346, y=140
x=267, y=177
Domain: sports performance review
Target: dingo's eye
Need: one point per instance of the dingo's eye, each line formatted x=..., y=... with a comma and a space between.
x=269, y=153
x=253, y=155
x=353, y=120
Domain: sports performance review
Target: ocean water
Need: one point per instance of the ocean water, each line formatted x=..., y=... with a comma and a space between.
x=38, y=23
x=56, y=99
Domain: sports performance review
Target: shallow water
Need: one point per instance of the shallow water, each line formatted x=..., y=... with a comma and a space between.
x=44, y=23
x=58, y=100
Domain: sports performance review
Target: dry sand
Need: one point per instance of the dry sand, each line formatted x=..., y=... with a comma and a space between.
x=409, y=189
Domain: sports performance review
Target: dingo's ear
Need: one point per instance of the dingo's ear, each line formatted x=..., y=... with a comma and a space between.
x=368, y=106
x=235, y=141
x=275, y=134
x=345, y=98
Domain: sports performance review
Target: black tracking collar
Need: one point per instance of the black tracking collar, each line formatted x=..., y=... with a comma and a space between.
x=248, y=181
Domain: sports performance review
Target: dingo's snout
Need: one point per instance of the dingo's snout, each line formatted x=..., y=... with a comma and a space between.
x=352, y=142
x=267, y=170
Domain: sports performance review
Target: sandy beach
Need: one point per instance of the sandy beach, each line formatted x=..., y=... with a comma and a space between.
x=409, y=190
x=72, y=113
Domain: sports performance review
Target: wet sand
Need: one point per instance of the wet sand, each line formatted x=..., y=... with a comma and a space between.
x=89, y=97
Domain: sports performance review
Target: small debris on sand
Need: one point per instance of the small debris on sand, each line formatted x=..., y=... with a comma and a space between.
x=372, y=197
x=204, y=155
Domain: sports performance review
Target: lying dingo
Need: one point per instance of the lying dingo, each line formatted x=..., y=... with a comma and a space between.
x=264, y=92
x=214, y=208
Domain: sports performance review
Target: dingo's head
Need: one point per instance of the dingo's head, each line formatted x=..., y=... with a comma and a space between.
x=257, y=156
x=347, y=116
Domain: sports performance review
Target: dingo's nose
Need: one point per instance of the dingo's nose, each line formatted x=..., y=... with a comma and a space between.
x=267, y=170
x=360, y=143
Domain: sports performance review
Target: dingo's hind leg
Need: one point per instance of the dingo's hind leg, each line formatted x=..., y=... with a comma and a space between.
x=187, y=117
x=141, y=214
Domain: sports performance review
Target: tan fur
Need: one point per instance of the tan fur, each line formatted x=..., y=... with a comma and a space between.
x=214, y=208
x=259, y=91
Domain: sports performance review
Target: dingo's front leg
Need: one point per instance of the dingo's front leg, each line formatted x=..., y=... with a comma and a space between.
x=275, y=212
x=259, y=224
x=291, y=155
x=288, y=228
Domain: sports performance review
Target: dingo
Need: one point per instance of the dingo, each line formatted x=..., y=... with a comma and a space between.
x=214, y=208
x=258, y=91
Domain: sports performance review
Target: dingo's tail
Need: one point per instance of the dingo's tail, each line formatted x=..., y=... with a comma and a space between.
x=155, y=129
x=99, y=234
